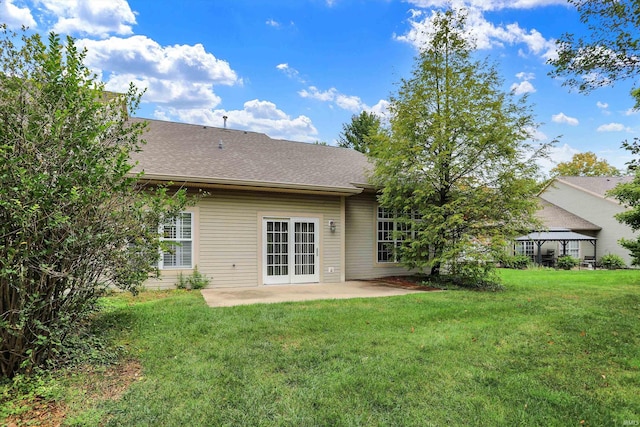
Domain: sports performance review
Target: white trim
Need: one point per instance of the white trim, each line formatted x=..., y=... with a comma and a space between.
x=180, y=237
x=283, y=266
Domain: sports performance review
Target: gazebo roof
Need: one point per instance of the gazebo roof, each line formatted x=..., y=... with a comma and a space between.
x=555, y=235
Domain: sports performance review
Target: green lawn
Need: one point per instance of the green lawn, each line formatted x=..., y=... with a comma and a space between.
x=556, y=348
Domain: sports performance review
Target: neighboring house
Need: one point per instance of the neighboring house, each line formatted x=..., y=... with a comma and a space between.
x=579, y=205
x=275, y=212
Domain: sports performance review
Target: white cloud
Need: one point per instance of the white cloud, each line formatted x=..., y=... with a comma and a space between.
x=535, y=134
x=602, y=105
x=90, y=17
x=181, y=75
x=178, y=94
x=257, y=116
x=14, y=16
x=487, y=35
x=613, y=127
x=522, y=88
x=315, y=93
x=563, y=118
x=631, y=111
x=273, y=23
x=525, y=76
x=290, y=72
x=488, y=4
x=346, y=102
x=139, y=55
x=381, y=109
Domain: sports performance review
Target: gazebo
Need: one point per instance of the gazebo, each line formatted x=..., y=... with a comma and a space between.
x=562, y=235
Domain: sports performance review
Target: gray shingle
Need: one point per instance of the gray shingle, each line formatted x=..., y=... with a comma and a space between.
x=193, y=152
x=553, y=216
x=595, y=184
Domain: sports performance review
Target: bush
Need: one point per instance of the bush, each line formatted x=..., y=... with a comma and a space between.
x=182, y=281
x=567, y=262
x=74, y=220
x=612, y=262
x=519, y=262
x=196, y=280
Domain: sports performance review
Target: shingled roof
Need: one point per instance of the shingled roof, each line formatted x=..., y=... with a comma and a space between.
x=553, y=216
x=196, y=154
x=598, y=185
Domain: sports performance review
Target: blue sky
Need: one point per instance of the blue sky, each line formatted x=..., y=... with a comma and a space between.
x=299, y=69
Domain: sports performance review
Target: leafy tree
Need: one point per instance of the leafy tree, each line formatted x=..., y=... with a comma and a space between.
x=360, y=131
x=628, y=194
x=73, y=219
x=453, y=167
x=585, y=164
x=608, y=52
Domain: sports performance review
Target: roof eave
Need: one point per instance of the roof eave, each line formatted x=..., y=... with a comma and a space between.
x=249, y=185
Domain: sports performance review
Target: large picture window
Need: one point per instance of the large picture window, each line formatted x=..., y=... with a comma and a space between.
x=390, y=234
x=178, y=232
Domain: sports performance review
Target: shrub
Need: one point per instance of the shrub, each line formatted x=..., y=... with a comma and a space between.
x=182, y=281
x=612, y=262
x=74, y=220
x=567, y=262
x=519, y=262
x=196, y=280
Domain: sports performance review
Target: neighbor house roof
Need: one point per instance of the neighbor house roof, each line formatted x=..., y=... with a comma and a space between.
x=557, y=235
x=210, y=156
x=553, y=216
x=598, y=185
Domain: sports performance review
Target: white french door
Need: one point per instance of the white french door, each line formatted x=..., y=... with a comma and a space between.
x=290, y=250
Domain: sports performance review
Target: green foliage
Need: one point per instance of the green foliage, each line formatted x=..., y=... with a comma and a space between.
x=359, y=134
x=515, y=261
x=567, y=262
x=612, y=262
x=182, y=281
x=585, y=164
x=628, y=194
x=454, y=166
x=74, y=220
x=608, y=50
x=195, y=280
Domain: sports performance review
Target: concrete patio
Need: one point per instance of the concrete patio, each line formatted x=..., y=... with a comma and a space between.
x=227, y=297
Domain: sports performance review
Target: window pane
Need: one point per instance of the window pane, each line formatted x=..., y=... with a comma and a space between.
x=178, y=232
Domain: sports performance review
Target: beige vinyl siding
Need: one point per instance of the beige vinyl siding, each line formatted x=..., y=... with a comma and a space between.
x=230, y=235
x=361, y=244
x=597, y=210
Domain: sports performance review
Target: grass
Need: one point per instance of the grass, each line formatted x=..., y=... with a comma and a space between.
x=556, y=348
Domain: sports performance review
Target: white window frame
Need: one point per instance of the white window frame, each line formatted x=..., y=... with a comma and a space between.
x=526, y=248
x=388, y=226
x=182, y=238
x=573, y=248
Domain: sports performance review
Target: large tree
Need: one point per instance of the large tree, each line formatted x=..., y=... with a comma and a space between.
x=73, y=219
x=609, y=52
x=358, y=134
x=585, y=164
x=456, y=169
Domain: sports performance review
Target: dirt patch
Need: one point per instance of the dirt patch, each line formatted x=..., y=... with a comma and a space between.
x=407, y=282
x=97, y=385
